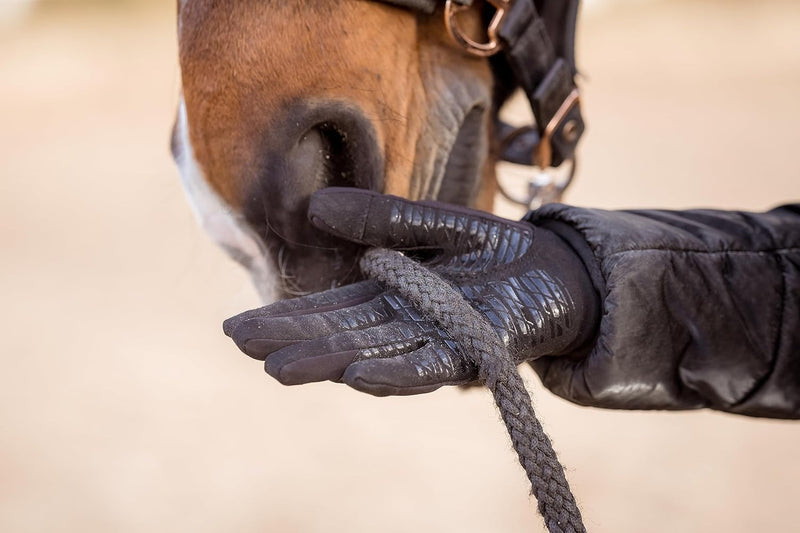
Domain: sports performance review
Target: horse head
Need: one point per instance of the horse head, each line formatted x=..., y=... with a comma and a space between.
x=280, y=99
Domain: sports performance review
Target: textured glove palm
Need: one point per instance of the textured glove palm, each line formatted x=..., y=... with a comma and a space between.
x=527, y=282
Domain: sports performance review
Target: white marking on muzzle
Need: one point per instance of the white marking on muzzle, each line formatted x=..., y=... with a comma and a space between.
x=226, y=227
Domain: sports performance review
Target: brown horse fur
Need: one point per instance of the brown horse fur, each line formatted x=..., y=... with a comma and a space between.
x=249, y=69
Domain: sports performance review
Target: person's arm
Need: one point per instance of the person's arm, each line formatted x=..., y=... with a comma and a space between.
x=615, y=309
x=699, y=309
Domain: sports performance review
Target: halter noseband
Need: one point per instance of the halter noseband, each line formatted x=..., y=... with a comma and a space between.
x=538, y=44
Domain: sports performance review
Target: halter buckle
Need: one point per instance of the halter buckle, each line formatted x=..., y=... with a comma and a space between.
x=487, y=49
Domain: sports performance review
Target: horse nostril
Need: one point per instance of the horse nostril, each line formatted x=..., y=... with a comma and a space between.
x=340, y=150
x=338, y=158
x=319, y=146
x=311, y=147
x=306, y=161
x=326, y=156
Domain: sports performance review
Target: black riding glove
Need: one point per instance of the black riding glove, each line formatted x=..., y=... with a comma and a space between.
x=528, y=283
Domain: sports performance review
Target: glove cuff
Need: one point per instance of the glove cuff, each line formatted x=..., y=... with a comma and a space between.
x=586, y=284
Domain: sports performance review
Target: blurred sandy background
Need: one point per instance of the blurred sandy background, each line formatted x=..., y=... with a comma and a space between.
x=124, y=408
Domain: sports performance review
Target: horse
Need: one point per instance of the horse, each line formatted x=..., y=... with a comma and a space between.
x=280, y=99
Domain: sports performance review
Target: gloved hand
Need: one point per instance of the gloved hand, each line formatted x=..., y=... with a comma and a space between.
x=528, y=282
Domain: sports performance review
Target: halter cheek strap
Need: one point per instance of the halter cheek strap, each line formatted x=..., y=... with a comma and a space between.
x=537, y=38
x=540, y=50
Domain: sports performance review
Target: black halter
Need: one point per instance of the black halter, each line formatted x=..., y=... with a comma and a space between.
x=537, y=38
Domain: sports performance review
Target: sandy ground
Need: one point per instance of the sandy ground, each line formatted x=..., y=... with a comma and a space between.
x=124, y=408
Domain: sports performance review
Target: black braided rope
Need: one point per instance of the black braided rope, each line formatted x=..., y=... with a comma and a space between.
x=433, y=296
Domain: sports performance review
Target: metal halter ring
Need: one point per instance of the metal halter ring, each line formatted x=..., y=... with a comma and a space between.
x=451, y=11
x=544, y=185
x=541, y=186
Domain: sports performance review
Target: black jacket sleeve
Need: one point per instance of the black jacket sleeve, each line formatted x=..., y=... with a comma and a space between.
x=699, y=309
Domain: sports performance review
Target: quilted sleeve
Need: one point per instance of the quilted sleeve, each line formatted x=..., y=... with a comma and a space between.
x=700, y=308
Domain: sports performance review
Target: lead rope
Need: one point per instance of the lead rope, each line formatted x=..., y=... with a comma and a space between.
x=433, y=296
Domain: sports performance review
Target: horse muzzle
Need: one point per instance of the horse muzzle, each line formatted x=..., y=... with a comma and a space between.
x=312, y=146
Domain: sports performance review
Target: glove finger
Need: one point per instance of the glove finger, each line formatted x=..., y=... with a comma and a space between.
x=386, y=221
x=347, y=296
x=424, y=370
x=260, y=336
x=327, y=358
